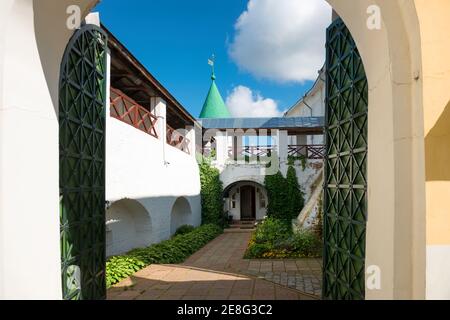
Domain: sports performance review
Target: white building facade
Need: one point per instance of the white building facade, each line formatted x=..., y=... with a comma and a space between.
x=152, y=176
x=246, y=150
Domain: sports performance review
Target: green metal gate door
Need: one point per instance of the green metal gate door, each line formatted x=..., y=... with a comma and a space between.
x=82, y=165
x=345, y=194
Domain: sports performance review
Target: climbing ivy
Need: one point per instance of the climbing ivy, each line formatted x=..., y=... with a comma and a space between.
x=284, y=195
x=295, y=195
x=211, y=194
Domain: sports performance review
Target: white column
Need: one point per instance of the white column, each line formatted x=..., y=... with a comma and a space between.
x=282, y=140
x=159, y=109
x=222, y=147
x=302, y=140
x=191, y=136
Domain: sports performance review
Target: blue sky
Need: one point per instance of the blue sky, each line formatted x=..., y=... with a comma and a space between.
x=174, y=40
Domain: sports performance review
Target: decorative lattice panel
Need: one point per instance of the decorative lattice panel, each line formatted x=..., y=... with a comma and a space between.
x=345, y=193
x=82, y=165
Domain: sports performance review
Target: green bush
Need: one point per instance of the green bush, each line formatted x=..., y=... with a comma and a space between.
x=211, y=194
x=118, y=268
x=274, y=239
x=184, y=229
x=295, y=197
x=258, y=250
x=175, y=250
x=272, y=230
x=284, y=195
x=307, y=243
x=277, y=197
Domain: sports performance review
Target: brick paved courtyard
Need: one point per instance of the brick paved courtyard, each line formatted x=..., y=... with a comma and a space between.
x=219, y=272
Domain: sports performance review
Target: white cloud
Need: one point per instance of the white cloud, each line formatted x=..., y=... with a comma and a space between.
x=243, y=102
x=282, y=40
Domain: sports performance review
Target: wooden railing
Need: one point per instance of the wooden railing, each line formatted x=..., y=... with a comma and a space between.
x=129, y=111
x=312, y=152
x=177, y=140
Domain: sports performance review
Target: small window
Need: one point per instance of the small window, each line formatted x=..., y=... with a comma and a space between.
x=233, y=201
x=262, y=202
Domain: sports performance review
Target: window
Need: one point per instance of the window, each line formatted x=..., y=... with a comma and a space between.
x=233, y=201
x=262, y=199
x=262, y=203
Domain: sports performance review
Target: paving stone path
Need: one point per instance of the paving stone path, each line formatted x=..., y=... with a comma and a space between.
x=219, y=272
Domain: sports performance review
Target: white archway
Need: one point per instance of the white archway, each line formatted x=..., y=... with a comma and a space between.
x=128, y=226
x=395, y=237
x=181, y=214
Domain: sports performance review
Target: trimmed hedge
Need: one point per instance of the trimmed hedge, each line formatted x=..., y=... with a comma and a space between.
x=175, y=250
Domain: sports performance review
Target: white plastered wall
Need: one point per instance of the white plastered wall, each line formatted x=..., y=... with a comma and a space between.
x=33, y=37
x=395, y=239
x=143, y=168
x=128, y=226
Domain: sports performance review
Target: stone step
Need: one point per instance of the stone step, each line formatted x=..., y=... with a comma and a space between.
x=238, y=230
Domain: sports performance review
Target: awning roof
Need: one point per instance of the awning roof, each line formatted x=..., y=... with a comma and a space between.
x=305, y=125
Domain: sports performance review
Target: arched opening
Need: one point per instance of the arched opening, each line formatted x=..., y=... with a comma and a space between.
x=128, y=226
x=395, y=195
x=181, y=214
x=245, y=201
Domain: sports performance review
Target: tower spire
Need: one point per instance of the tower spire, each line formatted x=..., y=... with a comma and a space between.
x=212, y=62
x=214, y=106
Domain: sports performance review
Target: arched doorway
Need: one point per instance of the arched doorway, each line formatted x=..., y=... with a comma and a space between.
x=181, y=214
x=82, y=90
x=128, y=226
x=246, y=201
x=345, y=192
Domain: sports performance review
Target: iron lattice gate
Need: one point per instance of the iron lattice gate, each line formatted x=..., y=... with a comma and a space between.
x=345, y=194
x=82, y=165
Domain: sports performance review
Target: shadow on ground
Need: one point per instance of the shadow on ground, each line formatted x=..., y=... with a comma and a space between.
x=219, y=272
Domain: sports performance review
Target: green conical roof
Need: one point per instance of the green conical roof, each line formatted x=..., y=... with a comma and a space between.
x=214, y=107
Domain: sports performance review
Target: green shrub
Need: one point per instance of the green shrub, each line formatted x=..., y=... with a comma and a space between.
x=307, y=243
x=271, y=230
x=175, y=250
x=258, y=250
x=118, y=268
x=284, y=195
x=295, y=197
x=274, y=239
x=211, y=194
x=277, y=197
x=184, y=229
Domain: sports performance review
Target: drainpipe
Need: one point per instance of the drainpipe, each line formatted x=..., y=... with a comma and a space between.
x=307, y=105
x=164, y=139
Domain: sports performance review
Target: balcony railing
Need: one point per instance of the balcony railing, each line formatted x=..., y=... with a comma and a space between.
x=177, y=140
x=129, y=111
x=252, y=151
x=312, y=152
